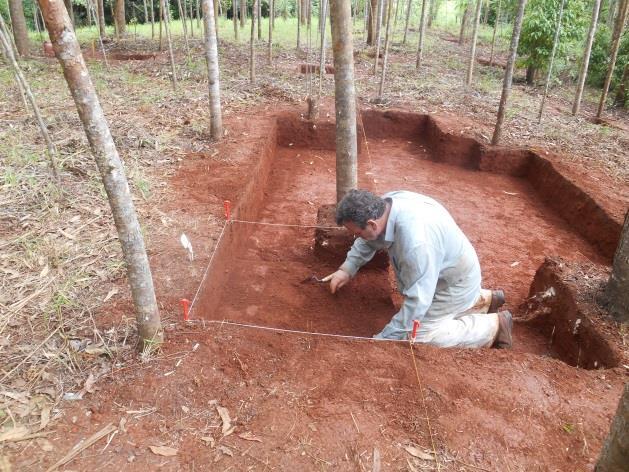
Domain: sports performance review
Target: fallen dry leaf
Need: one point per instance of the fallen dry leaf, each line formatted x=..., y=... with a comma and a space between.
x=224, y=414
x=249, y=436
x=163, y=451
x=225, y=450
x=14, y=434
x=416, y=452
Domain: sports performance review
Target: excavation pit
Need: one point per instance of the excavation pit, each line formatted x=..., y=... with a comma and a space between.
x=517, y=206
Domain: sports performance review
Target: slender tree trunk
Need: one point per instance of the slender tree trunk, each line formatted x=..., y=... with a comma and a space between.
x=243, y=13
x=252, y=54
x=161, y=21
x=386, y=51
x=506, y=85
x=235, y=18
x=25, y=89
x=378, y=34
x=618, y=286
x=466, y=15
x=408, y=18
x=211, y=55
x=259, y=13
x=271, y=16
x=191, y=18
x=615, y=454
x=432, y=12
x=324, y=15
x=216, y=13
x=397, y=11
x=493, y=38
x=470, y=64
x=422, y=30
x=549, y=74
x=618, y=28
x=184, y=26
x=152, y=20
x=102, y=144
x=373, y=21
x=344, y=98
x=611, y=12
x=101, y=18
x=119, y=18
x=68, y=4
x=166, y=16
x=298, y=13
x=18, y=22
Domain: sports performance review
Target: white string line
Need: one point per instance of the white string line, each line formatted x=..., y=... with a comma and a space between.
x=207, y=269
x=286, y=225
x=292, y=331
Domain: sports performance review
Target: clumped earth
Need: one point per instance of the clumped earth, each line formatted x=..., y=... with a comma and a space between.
x=220, y=396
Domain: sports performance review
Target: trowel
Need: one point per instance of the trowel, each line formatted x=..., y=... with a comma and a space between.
x=316, y=280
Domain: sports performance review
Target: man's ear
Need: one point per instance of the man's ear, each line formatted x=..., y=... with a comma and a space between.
x=372, y=224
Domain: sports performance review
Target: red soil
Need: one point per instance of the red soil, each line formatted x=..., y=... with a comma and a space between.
x=328, y=403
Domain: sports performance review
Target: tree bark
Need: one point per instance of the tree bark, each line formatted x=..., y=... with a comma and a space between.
x=615, y=453
x=211, y=55
x=164, y=6
x=373, y=15
x=408, y=18
x=243, y=12
x=101, y=18
x=152, y=20
x=252, y=53
x=298, y=13
x=378, y=35
x=552, y=61
x=386, y=50
x=344, y=98
x=422, y=28
x=25, y=90
x=18, y=22
x=271, y=19
x=621, y=92
x=618, y=286
x=618, y=28
x=259, y=14
x=111, y=169
x=235, y=18
x=466, y=15
x=119, y=18
x=68, y=4
x=506, y=85
x=472, y=60
x=324, y=17
x=184, y=26
x=493, y=38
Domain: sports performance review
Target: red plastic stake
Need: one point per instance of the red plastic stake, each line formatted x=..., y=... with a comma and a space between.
x=185, y=304
x=228, y=209
x=415, y=328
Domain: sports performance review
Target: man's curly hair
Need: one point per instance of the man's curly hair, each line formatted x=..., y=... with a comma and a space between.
x=358, y=207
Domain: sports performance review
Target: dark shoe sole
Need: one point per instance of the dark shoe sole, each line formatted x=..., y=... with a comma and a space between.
x=497, y=300
x=504, y=339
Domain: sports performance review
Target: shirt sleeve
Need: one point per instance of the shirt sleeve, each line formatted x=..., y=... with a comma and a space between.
x=422, y=266
x=360, y=253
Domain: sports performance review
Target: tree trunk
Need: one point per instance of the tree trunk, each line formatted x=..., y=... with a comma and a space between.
x=586, y=58
x=211, y=55
x=386, y=50
x=408, y=18
x=243, y=12
x=531, y=72
x=252, y=55
x=470, y=64
x=165, y=7
x=119, y=18
x=18, y=22
x=152, y=20
x=378, y=34
x=191, y=18
x=68, y=4
x=111, y=169
x=493, y=38
x=618, y=28
x=25, y=89
x=422, y=28
x=344, y=98
x=161, y=21
x=146, y=12
x=551, y=62
x=615, y=454
x=235, y=18
x=324, y=16
x=184, y=26
x=101, y=18
x=259, y=13
x=506, y=85
x=432, y=12
x=304, y=11
x=618, y=286
x=271, y=19
x=373, y=15
x=298, y=13
x=466, y=15
x=621, y=93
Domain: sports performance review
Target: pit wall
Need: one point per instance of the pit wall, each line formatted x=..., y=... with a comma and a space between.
x=569, y=194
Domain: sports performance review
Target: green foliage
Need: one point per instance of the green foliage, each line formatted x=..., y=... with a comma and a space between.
x=540, y=24
x=599, y=60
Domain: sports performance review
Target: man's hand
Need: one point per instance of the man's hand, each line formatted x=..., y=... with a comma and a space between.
x=338, y=279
